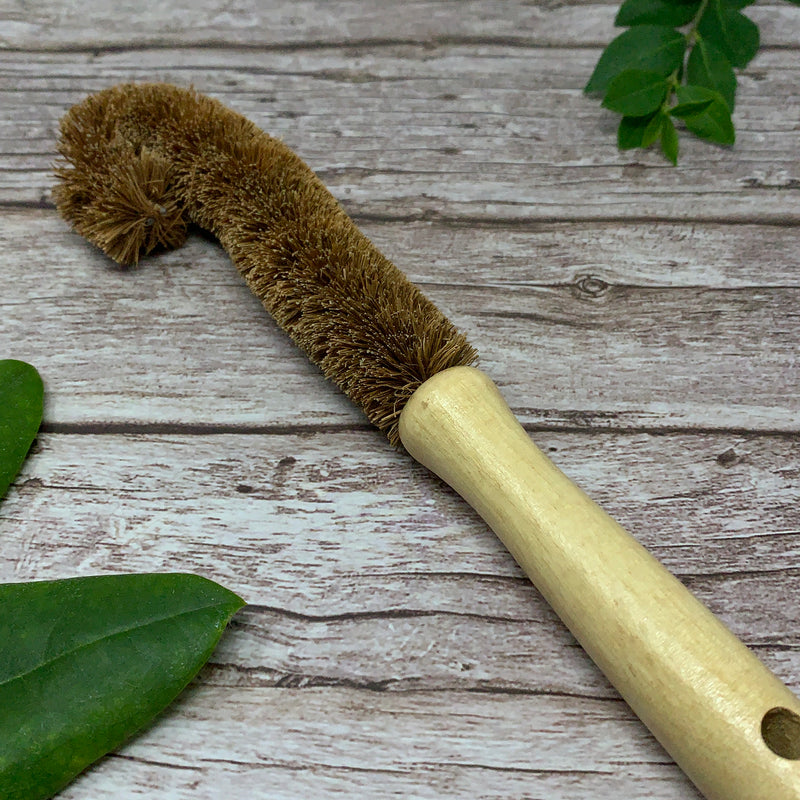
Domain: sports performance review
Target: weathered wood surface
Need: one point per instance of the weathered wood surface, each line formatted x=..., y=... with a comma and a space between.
x=368, y=577
x=655, y=326
x=498, y=131
x=641, y=320
x=54, y=25
x=329, y=523
x=421, y=745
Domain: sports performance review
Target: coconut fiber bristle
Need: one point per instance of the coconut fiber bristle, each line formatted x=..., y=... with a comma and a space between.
x=146, y=160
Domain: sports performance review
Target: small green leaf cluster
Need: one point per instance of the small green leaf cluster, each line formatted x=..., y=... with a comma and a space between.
x=675, y=62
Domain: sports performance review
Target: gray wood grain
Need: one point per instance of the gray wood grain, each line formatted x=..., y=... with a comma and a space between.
x=55, y=25
x=499, y=132
x=578, y=323
x=362, y=569
x=642, y=321
x=292, y=743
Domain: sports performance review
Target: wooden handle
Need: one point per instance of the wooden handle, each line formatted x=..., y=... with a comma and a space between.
x=728, y=722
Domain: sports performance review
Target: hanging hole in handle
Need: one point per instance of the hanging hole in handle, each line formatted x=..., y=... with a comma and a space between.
x=780, y=729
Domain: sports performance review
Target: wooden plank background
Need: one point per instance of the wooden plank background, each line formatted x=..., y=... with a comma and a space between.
x=642, y=321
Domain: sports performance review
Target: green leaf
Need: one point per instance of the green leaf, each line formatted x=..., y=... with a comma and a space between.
x=669, y=140
x=683, y=110
x=740, y=4
x=639, y=131
x=732, y=32
x=21, y=402
x=86, y=662
x=714, y=122
x=657, y=48
x=653, y=130
x=656, y=12
x=708, y=66
x=631, y=131
x=636, y=92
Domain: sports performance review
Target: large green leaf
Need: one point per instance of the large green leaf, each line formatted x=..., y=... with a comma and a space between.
x=21, y=400
x=656, y=48
x=656, y=12
x=708, y=66
x=86, y=662
x=636, y=92
x=713, y=122
x=732, y=32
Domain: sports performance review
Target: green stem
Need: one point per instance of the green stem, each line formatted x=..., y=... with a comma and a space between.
x=691, y=39
x=673, y=85
x=691, y=34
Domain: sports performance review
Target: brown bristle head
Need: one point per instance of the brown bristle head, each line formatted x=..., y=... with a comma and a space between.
x=119, y=197
x=145, y=160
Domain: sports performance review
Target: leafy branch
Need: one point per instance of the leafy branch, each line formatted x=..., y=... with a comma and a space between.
x=675, y=61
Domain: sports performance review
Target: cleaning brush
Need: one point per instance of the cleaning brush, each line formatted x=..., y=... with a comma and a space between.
x=144, y=161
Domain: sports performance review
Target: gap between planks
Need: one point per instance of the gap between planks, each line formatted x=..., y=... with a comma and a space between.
x=501, y=223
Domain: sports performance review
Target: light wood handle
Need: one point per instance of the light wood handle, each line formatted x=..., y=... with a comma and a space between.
x=728, y=722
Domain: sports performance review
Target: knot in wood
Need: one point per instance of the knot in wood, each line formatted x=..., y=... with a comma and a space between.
x=590, y=286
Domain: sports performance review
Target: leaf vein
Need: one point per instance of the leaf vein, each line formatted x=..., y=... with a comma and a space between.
x=115, y=634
